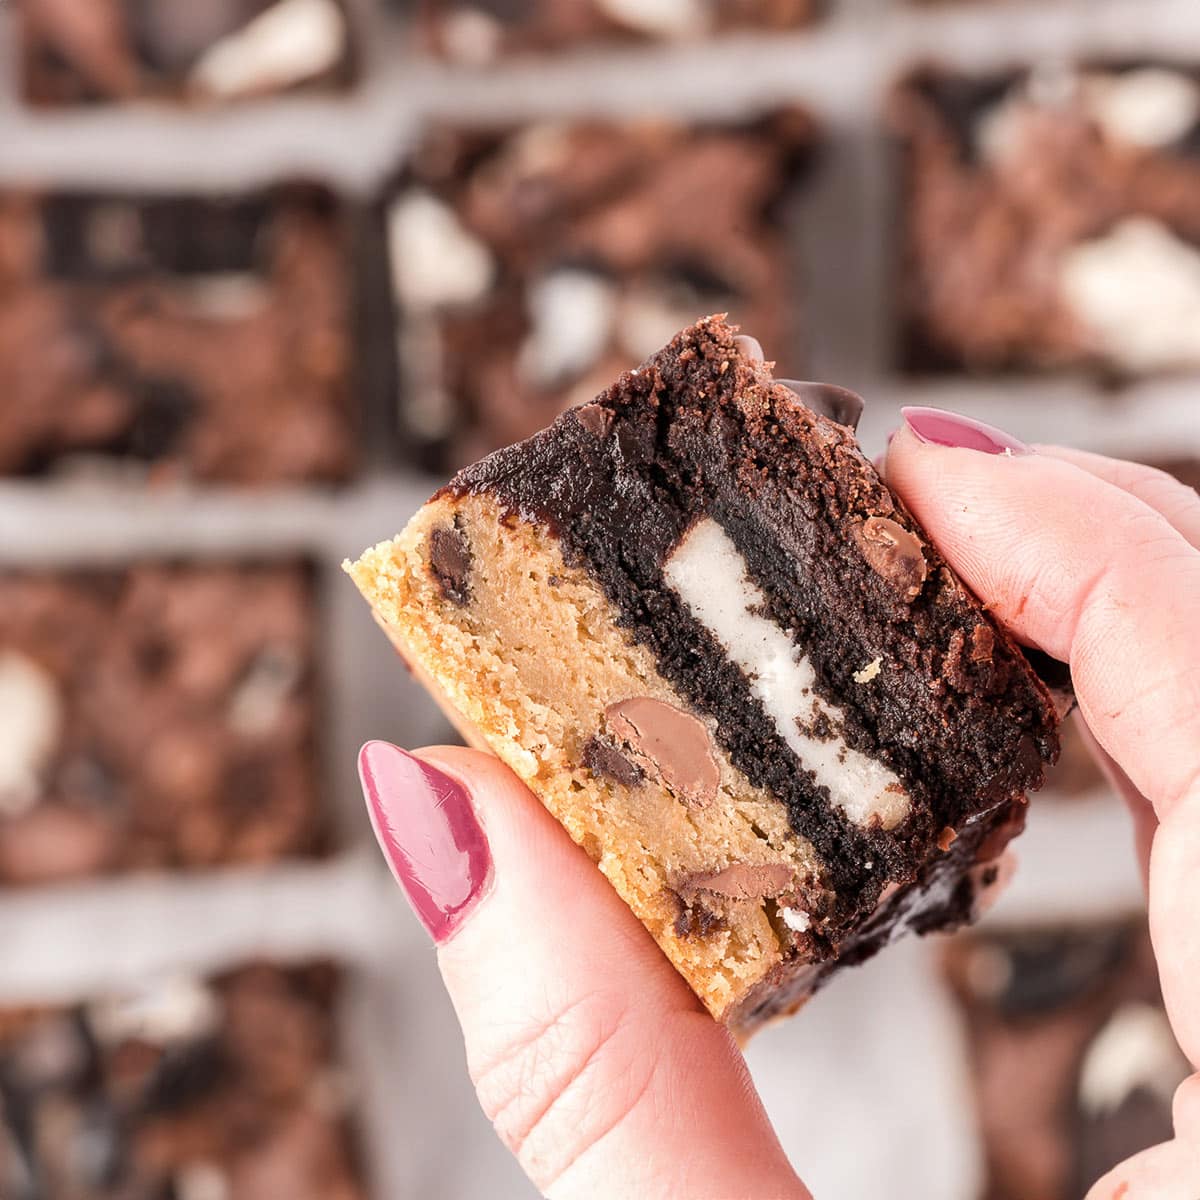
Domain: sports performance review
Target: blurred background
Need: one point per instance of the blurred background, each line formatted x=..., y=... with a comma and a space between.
x=268, y=270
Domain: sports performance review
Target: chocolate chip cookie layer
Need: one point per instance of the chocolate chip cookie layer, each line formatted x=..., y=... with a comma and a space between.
x=696, y=622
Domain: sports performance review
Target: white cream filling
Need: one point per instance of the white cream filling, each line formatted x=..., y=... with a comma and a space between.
x=289, y=42
x=709, y=576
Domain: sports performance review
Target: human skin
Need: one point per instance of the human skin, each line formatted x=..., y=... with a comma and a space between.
x=600, y=1070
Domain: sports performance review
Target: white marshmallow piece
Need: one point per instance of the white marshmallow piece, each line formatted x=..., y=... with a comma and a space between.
x=1152, y=107
x=1136, y=1049
x=289, y=42
x=435, y=262
x=176, y=1008
x=573, y=313
x=29, y=730
x=660, y=18
x=709, y=575
x=1137, y=292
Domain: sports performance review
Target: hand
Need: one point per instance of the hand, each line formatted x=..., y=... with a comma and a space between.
x=599, y=1068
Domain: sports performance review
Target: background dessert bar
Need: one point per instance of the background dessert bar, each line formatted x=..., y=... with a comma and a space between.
x=229, y=1086
x=158, y=716
x=1050, y=217
x=531, y=265
x=1076, y=1008
x=188, y=337
x=478, y=31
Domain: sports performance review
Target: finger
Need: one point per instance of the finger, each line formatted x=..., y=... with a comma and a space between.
x=1141, y=811
x=1164, y=493
x=1087, y=572
x=1094, y=576
x=1167, y=1172
x=597, y=1065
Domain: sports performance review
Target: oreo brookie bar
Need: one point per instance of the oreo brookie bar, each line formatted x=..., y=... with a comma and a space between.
x=695, y=621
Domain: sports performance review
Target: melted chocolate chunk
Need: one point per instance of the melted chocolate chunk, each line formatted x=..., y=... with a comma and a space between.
x=741, y=881
x=602, y=758
x=450, y=562
x=672, y=745
x=894, y=554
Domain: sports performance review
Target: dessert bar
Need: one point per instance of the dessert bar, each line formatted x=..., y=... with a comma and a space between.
x=1051, y=218
x=692, y=617
x=530, y=266
x=156, y=716
x=184, y=1088
x=192, y=337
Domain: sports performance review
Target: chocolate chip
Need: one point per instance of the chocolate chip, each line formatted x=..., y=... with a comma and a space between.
x=602, y=758
x=837, y=403
x=741, y=881
x=894, y=554
x=450, y=562
x=595, y=418
x=694, y=920
x=669, y=744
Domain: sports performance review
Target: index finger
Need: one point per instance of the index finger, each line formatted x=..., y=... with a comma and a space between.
x=1087, y=572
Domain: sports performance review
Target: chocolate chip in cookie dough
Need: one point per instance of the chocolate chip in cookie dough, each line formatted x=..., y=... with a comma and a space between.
x=668, y=744
x=450, y=562
x=602, y=758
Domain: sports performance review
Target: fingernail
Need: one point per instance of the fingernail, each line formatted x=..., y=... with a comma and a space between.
x=429, y=834
x=937, y=427
x=750, y=347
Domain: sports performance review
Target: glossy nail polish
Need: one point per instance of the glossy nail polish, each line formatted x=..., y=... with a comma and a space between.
x=429, y=834
x=937, y=427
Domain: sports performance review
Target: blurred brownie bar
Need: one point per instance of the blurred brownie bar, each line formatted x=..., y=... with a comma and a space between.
x=187, y=1089
x=476, y=32
x=692, y=617
x=84, y=51
x=156, y=717
x=1073, y=1059
x=1051, y=218
x=530, y=266
x=195, y=338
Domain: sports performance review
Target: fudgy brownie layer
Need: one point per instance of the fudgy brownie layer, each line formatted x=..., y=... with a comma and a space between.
x=951, y=707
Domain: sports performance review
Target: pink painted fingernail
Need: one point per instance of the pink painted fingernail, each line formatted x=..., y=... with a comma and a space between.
x=937, y=427
x=429, y=834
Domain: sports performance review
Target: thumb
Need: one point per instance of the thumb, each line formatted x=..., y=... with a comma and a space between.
x=598, y=1067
